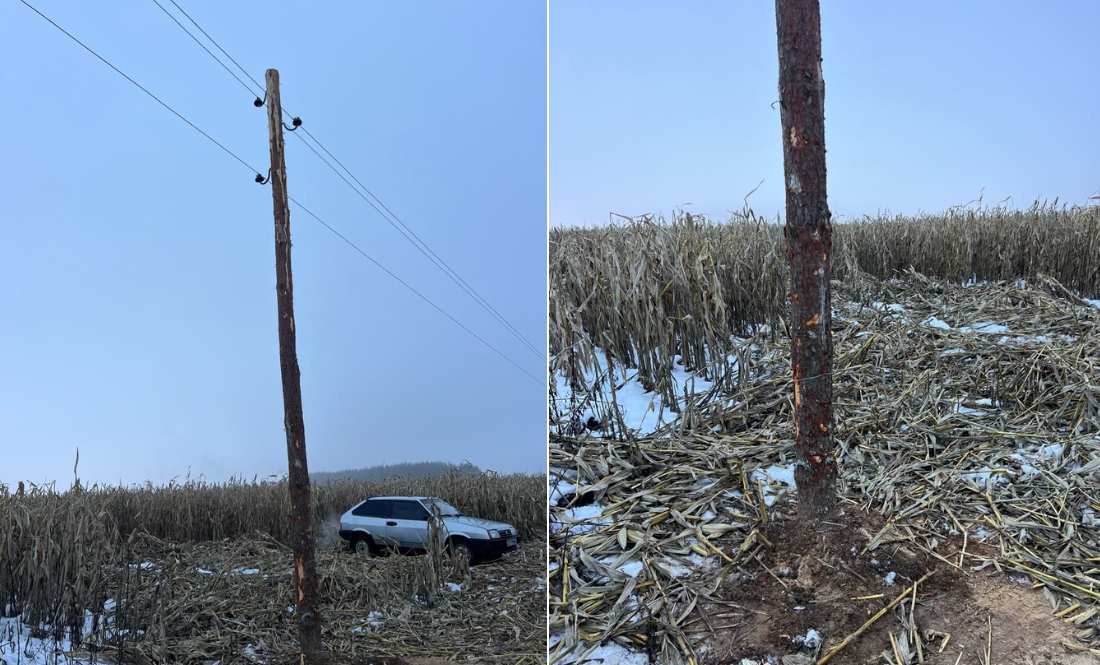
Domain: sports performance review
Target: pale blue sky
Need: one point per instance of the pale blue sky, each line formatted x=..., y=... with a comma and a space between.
x=658, y=104
x=138, y=311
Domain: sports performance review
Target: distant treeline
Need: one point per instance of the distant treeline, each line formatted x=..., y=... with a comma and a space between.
x=382, y=472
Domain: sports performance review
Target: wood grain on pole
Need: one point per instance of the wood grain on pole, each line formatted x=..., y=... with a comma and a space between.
x=808, y=231
x=301, y=529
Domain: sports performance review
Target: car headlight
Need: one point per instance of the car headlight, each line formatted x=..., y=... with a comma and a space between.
x=493, y=533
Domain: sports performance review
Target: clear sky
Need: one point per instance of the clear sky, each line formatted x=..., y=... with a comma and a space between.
x=658, y=104
x=138, y=315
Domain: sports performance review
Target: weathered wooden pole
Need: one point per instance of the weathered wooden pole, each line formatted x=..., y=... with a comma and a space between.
x=809, y=235
x=301, y=529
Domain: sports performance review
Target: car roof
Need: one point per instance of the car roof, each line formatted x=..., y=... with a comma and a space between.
x=392, y=498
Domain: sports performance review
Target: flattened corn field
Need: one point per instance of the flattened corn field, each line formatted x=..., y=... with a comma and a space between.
x=198, y=573
x=967, y=416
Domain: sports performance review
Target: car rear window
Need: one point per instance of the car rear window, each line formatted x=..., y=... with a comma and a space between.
x=408, y=510
x=370, y=508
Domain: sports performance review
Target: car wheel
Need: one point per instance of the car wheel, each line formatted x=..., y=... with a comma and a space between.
x=362, y=545
x=462, y=550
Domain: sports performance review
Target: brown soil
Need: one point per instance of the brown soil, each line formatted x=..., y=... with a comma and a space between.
x=339, y=659
x=822, y=571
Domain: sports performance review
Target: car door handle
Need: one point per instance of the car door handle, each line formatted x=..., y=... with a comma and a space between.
x=391, y=523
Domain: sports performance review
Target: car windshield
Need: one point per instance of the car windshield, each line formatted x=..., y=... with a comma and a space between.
x=445, y=509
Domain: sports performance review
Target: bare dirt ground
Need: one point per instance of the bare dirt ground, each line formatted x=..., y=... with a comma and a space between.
x=825, y=580
x=336, y=659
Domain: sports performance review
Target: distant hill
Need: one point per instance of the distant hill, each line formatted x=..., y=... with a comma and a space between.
x=386, y=471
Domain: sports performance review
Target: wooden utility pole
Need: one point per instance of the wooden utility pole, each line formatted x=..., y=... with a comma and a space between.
x=809, y=235
x=301, y=526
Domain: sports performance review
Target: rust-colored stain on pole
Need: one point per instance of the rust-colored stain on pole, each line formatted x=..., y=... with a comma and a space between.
x=301, y=530
x=809, y=234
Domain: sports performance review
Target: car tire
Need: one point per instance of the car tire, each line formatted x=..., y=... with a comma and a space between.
x=461, y=548
x=362, y=545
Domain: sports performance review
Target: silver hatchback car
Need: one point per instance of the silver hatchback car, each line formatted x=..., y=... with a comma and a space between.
x=401, y=523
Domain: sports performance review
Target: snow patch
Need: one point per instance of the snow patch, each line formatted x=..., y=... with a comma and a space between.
x=891, y=307
x=981, y=476
x=607, y=654
x=561, y=488
x=777, y=473
x=1025, y=468
x=985, y=328
x=773, y=475
x=642, y=411
x=1053, y=451
x=18, y=646
x=811, y=640
x=683, y=568
x=580, y=520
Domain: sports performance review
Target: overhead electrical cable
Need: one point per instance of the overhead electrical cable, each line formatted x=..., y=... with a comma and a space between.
x=391, y=218
x=307, y=211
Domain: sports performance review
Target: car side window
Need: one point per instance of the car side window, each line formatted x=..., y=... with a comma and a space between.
x=373, y=509
x=408, y=510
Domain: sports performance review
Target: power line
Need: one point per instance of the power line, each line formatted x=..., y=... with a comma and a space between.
x=430, y=254
x=254, y=170
x=456, y=278
x=407, y=286
x=262, y=88
x=139, y=86
x=372, y=205
x=426, y=250
x=169, y=14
